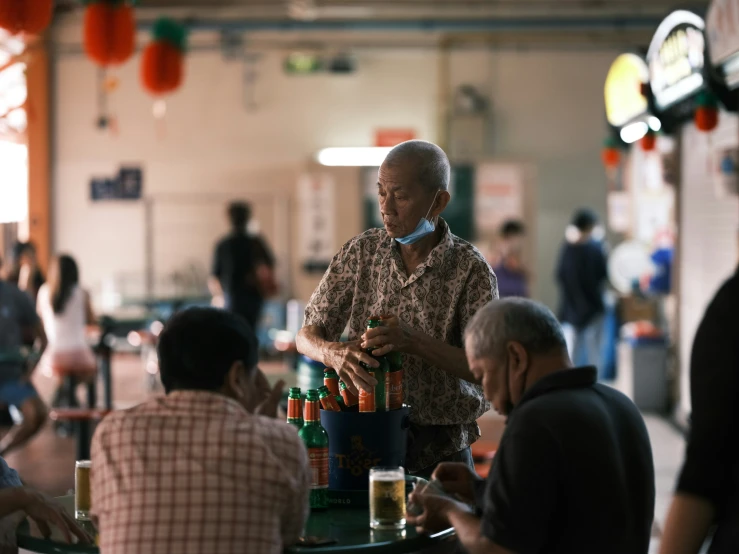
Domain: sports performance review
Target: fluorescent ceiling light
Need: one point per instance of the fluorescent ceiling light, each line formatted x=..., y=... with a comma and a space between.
x=654, y=123
x=362, y=156
x=634, y=131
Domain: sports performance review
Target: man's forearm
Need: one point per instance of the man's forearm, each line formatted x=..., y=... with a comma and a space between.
x=688, y=522
x=12, y=500
x=470, y=534
x=311, y=342
x=439, y=354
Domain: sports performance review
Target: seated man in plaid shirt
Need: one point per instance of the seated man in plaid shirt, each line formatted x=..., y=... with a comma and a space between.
x=206, y=468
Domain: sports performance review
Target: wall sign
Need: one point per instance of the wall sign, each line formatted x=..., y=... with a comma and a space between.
x=127, y=185
x=624, y=99
x=722, y=32
x=676, y=58
x=316, y=202
x=393, y=137
x=499, y=190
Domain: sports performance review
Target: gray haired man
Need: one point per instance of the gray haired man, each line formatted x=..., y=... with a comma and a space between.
x=574, y=471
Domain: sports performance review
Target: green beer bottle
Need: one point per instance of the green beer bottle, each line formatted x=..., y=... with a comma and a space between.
x=315, y=439
x=295, y=408
x=380, y=372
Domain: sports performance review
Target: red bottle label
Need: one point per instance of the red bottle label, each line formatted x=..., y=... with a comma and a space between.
x=329, y=403
x=318, y=458
x=312, y=411
x=394, y=390
x=332, y=384
x=349, y=398
x=294, y=408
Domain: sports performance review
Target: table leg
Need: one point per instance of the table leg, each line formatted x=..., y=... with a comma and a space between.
x=83, y=439
x=105, y=374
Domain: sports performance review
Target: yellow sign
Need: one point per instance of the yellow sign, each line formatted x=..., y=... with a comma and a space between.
x=623, y=94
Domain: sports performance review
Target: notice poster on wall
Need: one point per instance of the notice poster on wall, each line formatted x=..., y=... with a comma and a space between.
x=499, y=191
x=316, y=205
x=619, y=211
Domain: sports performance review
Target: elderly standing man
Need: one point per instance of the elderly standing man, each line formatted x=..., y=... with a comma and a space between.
x=574, y=471
x=431, y=283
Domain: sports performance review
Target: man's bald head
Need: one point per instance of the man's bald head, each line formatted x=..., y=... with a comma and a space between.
x=430, y=161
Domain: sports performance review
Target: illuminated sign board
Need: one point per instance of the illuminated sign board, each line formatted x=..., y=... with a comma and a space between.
x=722, y=32
x=676, y=59
x=623, y=90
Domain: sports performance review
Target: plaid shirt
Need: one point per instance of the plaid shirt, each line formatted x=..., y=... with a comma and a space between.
x=367, y=277
x=193, y=472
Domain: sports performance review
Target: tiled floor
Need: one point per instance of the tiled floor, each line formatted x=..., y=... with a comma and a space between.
x=48, y=461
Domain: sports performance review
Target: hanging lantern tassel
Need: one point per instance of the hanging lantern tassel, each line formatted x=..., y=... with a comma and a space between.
x=109, y=31
x=648, y=141
x=610, y=155
x=162, y=60
x=25, y=16
x=706, y=111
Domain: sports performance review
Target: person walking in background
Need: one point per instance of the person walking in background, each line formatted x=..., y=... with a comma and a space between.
x=19, y=326
x=243, y=268
x=66, y=311
x=581, y=276
x=508, y=265
x=25, y=273
x=708, y=487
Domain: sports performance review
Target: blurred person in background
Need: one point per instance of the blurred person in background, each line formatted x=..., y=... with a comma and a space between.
x=581, y=276
x=243, y=268
x=508, y=264
x=707, y=492
x=26, y=273
x=19, y=326
x=66, y=312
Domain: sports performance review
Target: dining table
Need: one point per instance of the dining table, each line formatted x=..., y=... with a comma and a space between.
x=346, y=530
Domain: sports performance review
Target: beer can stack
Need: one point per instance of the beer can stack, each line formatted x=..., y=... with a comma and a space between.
x=335, y=396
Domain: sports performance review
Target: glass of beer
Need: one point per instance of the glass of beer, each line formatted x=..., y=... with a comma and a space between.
x=387, y=497
x=82, y=500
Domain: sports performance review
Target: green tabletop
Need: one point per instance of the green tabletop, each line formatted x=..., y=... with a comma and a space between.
x=349, y=527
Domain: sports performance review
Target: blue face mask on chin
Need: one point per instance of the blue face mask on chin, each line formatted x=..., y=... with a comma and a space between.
x=424, y=228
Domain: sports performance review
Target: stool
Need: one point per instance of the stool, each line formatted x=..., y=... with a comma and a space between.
x=71, y=377
x=81, y=419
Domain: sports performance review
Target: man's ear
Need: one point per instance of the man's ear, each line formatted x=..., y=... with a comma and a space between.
x=518, y=359
x=235, y=380
x=442, y=199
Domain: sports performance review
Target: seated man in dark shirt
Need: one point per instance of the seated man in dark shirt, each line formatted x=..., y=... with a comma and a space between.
x=574, y=471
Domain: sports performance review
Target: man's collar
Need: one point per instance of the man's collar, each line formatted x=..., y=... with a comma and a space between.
x=214, y=398
x=575, y=377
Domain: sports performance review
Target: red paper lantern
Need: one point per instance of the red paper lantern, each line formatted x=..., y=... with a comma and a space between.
x=706, y=118
x=25, y=16
x=648, y=141
x=162, y=62
x=611, y=157
x=109, y=34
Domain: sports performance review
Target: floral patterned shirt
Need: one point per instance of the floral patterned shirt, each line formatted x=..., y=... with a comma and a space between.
x=367, y=277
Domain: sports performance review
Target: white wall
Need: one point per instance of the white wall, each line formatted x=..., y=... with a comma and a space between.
x=708, y=234
x=548, y=110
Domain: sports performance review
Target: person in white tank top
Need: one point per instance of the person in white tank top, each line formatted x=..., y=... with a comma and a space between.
x=66, y=313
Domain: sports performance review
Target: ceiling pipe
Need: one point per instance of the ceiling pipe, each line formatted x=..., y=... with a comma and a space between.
x=451, y=26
